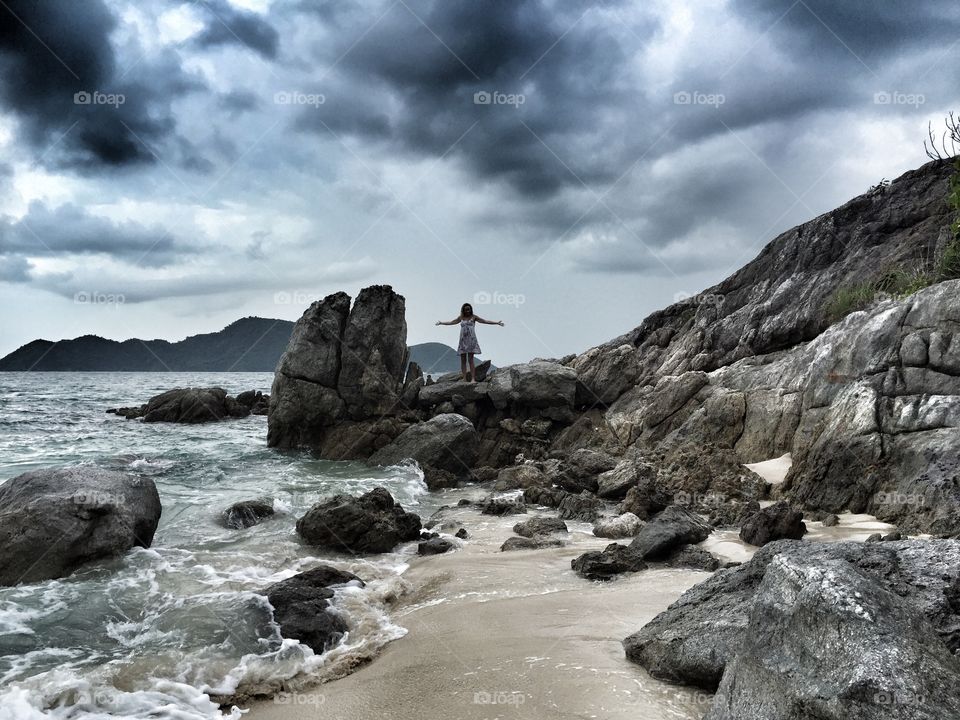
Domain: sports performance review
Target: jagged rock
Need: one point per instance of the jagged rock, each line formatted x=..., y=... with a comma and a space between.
x=520, y=477
x=301, y=606
x=831, y=520
x=461, y=534
x=776, y=522
x=537, y=542
x=502, y=506
x=52, y=521
x=583, y=507
x=548, y=497
x=645, y=499
x=190, y=406
x=437, y=479
x=371, y=523
x=434, y=546
x=803, y=614
x=446, y=442
x=733, y=513
x=704, y=476
x=604, y=565
x=691, y=556
x=622, y=526
x=246, y=513
x=615, y=484
x=693, y=640
x=540, y=526
x=580, y=471
x=484, y=474
x=670, y=529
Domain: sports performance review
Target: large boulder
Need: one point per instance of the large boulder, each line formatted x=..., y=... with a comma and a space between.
x=693, y=640
x=538, y=384
x=622, y=526
x=581, y=470
x=446, y=442
x=670, y=529
x=301, y=606
x=827, y=641
x=371, y=523
x=608, y=563
x=776, y=522
x=246, y=513
x=52, y=521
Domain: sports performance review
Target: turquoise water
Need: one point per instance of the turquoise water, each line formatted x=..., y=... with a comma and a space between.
x=157, y=632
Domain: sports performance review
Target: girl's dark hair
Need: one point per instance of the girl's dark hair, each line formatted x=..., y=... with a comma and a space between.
x=466, y=310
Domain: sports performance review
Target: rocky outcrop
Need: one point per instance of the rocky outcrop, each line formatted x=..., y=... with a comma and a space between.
x=246, y=513
x=196, y=405
x=301, y=606
x=342, y=364
x=446, y=442
x=693, y=641
x=52, y=521
x=670, y=529
x=371, y=523
x=818, y=647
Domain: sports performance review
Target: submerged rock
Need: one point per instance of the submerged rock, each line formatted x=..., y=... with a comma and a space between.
x=434, y=546
x=196, y=405
x=604, y=565
x=246, y=513
x=537, y=542
x=371, y=523
x=52, y=521
x=301, y=606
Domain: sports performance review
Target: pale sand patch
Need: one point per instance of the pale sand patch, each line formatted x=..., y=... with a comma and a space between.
x=509, y=635
x=773, y=470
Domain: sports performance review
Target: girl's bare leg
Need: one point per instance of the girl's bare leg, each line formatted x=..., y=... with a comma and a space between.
x=473, y=370
x=463, y=366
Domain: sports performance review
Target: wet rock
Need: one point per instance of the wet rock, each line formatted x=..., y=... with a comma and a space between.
x=301, y=606
x=537, y=542
x=189, y=405
x=776, y=522
x=670, y=529
x=434, y=546
x=540, y=526
x=548, y=497
x=520, y=477
x=437, y=479
x=585, y=507
x=461, y=534
x=52, y=521
x=780, y=674
x=502, y=506
x=581, y=470
x=874, y=537
x=831, y=520
x=622, y=526
x=446, y=442
x=645, y=499
x=695, y=638
x=604, y=565
x=246, y=513
x=691, y=556
x=371, y=523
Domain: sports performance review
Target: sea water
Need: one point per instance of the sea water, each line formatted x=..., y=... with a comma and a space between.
x=174, y=630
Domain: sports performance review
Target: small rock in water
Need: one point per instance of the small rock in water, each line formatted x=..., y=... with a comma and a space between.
x=540, y=526
x=246, y=513
x=777, y=522
x=670, y=529
x=622, y=526
x=831, y=520
x=536, y=542
x=691, y=556
x=371, y=523
x=613, y=560
x=434, y=546
x=462, y=534
x=301, y=606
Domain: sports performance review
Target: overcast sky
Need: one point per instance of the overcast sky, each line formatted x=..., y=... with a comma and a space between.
x=168, y=167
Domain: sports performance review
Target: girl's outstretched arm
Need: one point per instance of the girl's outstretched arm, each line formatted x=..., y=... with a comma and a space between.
x=488, y=322
x=449, y=322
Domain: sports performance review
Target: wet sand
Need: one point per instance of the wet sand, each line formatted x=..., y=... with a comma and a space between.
x=518, y=634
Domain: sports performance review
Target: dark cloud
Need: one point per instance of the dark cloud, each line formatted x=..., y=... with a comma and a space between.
x=228, y=25
x=236, y=102
x=69, y=230
x=59, y=75
x=14, y=269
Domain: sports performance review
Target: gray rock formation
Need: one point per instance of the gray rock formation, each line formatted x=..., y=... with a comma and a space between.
x=693, y=640
x=622, y=526
x=196, y=405
x=52, y=521
x=446, y=442
x=537, y=542
x=670, y=529
x=342, y=364
x=301, y=606
x=371, y=523
x=776, y=522
x=246, y=513
x=540, y=526
x=606, y=564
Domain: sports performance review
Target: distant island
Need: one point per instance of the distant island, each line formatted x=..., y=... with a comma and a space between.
x=251, y=344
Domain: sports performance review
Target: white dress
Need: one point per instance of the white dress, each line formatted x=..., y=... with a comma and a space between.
x=468, y=338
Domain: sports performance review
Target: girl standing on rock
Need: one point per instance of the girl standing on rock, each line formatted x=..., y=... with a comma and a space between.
x=468, y=346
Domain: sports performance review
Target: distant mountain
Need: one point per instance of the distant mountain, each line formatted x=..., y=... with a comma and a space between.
x=251, y=344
